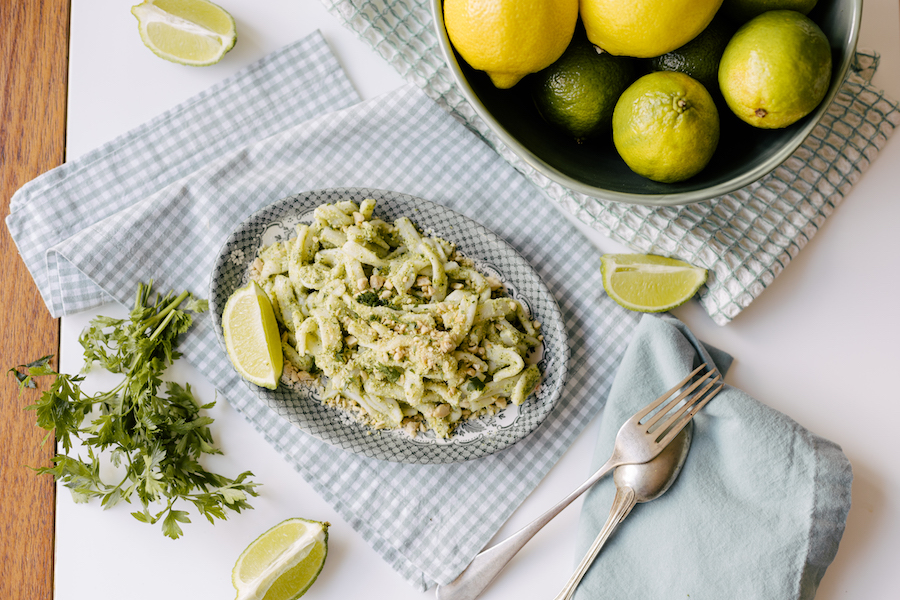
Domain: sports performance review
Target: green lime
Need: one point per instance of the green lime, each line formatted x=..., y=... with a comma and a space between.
x=282, y=563
x=776, y=69
x=700, y=57
x=649, y=283
x=578, y=92
x=187, y=32
x=666, y=126
x=742, y=11
x=251, y=336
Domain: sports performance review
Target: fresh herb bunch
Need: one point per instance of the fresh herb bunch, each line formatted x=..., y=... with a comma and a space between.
x=157, y=438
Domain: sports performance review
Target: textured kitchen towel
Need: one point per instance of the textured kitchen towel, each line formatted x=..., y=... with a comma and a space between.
x=281, y=90
x=745, y=238
x=427, y=521
x=757, y=512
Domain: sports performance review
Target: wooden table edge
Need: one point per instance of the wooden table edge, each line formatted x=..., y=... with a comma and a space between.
x=34, y=44
x=33, y=75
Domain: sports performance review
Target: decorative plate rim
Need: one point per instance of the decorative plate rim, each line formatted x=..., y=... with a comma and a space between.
x=336, y=427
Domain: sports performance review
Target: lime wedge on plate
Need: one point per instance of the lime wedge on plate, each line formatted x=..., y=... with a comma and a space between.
x=251, y=336
x=282, y=563
x=187, y=32
x=649, y=283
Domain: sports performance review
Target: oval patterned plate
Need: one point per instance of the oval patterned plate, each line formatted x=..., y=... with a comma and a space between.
x=473, y=438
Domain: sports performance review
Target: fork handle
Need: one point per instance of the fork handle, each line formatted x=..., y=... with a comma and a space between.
x=488, y=563
x=622, y=505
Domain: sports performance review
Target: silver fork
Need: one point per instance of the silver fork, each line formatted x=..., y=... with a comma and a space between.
x=636, y=443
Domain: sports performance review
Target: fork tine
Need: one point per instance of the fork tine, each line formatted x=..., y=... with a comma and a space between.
x=646, y=411
x=687, y=405
x=675, y=427
x=674, y=402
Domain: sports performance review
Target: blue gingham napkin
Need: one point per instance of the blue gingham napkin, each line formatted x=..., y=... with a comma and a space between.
x=261, y=100
x=159, y=201
x=757, y=512
x=745, y=238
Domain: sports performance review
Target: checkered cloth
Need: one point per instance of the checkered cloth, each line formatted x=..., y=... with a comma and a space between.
x=745, y=238
x=159, y=201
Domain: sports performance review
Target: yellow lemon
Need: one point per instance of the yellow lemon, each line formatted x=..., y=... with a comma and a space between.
x=509, y=39
x=645, y=28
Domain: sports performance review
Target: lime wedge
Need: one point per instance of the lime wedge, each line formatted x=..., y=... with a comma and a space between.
x=282, y=563
x=187, y=32
x=251, y=336
x=649, y=283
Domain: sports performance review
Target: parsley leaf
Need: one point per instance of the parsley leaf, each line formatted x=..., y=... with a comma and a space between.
x=392, y=374
x=474, y=384
x=151, y=429
x=370, y=298
x=32, y=369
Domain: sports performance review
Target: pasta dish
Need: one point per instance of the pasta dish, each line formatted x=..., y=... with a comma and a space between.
x=406, y=331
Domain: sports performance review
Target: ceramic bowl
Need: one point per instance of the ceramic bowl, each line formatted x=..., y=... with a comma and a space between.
x=744, y=153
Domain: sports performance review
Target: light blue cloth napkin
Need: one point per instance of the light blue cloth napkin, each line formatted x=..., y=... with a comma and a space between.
x=757, y=512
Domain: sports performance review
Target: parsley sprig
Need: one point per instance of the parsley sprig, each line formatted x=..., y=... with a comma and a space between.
x=157, y=437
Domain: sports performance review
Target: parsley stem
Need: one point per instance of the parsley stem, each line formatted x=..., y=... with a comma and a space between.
x=166, y=312
x=138, y=297
x=162, y=325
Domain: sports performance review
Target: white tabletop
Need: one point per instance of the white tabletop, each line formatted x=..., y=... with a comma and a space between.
x=819, y=345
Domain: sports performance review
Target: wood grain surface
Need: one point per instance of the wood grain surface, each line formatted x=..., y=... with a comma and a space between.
x=33, y=70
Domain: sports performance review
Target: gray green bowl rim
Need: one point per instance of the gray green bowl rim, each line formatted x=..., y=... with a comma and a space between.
x=645, y=199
